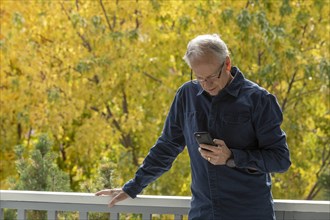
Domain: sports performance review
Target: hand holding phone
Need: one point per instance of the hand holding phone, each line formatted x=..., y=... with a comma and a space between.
x=203, y=137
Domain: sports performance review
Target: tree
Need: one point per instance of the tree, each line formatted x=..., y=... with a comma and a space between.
x=39, y=172
x=99, y=76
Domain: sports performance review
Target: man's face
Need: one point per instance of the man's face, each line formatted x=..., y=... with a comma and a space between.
x=207, y=70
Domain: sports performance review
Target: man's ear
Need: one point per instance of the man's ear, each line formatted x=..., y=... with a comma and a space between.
x=228, y=63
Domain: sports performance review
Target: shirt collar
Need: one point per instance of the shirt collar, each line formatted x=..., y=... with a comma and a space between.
x=234, y=87
x=200, y=90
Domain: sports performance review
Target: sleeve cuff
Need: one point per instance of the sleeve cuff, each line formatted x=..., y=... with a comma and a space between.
x=132, y=188
x=237, y=154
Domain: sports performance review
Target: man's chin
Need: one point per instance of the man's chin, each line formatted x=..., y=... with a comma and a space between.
x=212, y=93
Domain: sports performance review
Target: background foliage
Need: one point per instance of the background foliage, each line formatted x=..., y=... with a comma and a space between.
x=98, y=77
x=39, y=172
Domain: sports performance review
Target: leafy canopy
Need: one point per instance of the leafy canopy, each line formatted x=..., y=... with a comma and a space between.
x=99, y=76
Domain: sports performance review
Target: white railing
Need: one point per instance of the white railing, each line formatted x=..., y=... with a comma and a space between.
x=148, y=206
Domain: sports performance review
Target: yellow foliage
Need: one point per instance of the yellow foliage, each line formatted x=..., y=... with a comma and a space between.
x=99, y=76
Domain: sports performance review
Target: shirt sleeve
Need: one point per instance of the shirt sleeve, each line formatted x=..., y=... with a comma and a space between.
x=272, y=153
x=161, y=156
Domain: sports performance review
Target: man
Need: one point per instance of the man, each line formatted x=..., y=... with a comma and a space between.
x=231, y=180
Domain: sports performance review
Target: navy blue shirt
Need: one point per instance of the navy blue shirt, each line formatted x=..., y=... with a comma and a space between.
x=247, y=118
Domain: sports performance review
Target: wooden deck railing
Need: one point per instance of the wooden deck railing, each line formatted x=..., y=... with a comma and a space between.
x=144, y=206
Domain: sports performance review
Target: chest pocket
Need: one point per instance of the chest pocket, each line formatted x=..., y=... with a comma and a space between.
x=194, y=121
x=236, y=118
x=237, y=129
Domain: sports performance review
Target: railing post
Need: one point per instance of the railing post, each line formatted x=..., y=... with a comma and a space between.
x=83, y=215
x=21, y=214
x=178, y=217
x=146, y=216
x=114, y=216
x=52, y=215
x=1, y=214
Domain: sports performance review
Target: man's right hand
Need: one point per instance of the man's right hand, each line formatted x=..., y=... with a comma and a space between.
x=117, y=195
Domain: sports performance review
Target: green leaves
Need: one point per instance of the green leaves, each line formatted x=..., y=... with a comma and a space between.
x=262, y=20
x=18, y=19
x=43, y=145
x=83, y=66
x=324, y=69
x=303, y=17
x=96, y=20
x=39, y=171
x=53, y=94
x=285, y=8
x=227, y=15
x=244, y=20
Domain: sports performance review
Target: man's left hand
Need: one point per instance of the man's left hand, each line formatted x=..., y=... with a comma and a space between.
x=216, y=155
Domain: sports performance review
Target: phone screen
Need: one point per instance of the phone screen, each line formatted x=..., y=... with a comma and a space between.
x=203, y=137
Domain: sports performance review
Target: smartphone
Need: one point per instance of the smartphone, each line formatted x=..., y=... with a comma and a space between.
x=203, y=137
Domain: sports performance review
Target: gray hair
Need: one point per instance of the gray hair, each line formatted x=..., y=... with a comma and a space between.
x=203, y=44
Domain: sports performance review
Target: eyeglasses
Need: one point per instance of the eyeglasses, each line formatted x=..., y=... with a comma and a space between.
x=208, y=79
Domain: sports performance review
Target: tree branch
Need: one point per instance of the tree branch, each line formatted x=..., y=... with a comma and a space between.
x=304, y=28
x=114, y=121
x=298, y=97
x=29, y=137
x=247, y=4
x=106, y=16
x=137, y=23
x=324, y=165
x=19, y=132
x=125, y=104
x=86, y=44
x=62, y=150
x=77, y=5
x=259, y=57
x=152, y=77
x=126, y=139
x=314, y=191
x=289, y=89
x=327, y=157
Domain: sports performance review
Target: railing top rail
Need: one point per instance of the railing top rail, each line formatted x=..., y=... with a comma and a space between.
x=90, y=198
x=145, y=200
